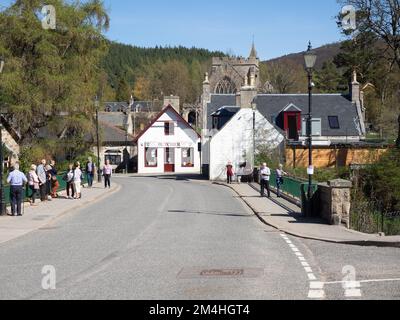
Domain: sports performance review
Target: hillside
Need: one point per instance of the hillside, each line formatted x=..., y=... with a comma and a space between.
x=324, y=53
x=129, y=61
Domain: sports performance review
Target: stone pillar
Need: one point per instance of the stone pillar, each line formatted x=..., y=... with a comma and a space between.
x=335, y=201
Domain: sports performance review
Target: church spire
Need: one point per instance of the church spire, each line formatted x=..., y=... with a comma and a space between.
x=253, y=53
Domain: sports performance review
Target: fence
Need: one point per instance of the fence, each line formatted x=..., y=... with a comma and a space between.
x=290, y=186
x=63, y=186
x=371, y=217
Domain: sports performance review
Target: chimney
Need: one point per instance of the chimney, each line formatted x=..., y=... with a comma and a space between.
x=355, y=89
x=173, y=101
x=247, y=93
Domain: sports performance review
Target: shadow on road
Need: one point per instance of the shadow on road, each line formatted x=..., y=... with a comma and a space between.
x=214, y=213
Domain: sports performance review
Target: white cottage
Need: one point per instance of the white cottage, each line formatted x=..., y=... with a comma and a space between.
x=234, y=141
x=168, y=145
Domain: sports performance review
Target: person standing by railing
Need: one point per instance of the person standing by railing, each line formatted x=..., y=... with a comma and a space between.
x=69, y=179
x=33, y=181
x=16, y=179
x=279, y=179
x=265, y=176
x=54, y=181
x=41, y=172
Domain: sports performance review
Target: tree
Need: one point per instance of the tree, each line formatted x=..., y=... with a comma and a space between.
x=51, y=76
x=382, y=19
x=285, y=77
x=328, y=78
x=124, y=91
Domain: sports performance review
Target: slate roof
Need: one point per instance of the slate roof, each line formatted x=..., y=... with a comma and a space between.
x=142, y=106
x=324, y=105
x=112, y=118
x=113, y=135
x=218, y=101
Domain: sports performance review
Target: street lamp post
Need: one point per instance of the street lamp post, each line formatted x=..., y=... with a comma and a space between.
x=3, y=210
x=254, y=107
x=310, y=59
x=97, y=105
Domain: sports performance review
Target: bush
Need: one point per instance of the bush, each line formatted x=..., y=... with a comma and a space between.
x=382, y=180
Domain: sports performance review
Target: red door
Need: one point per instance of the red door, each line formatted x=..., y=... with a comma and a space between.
x=169, y=160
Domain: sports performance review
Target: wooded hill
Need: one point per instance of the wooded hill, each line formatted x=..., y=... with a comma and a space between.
x=147, y=72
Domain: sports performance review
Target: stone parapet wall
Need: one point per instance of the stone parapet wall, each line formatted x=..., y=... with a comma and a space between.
x=335, y=201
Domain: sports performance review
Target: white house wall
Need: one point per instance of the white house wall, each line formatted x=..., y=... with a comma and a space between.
x=184, y=135
x=234, y=142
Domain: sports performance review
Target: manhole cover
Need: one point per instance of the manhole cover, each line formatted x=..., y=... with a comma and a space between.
x=204, y=273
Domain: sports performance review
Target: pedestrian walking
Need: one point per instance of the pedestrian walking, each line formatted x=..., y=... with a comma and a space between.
x=229, y=172
x=69, y=179
x=90, y=170
x=107, y=173
x=41, y=172
x=16, y=179
x=279, y=179
x=53, y=179
x=78, y=175
x=33, y=182
x=265, y=175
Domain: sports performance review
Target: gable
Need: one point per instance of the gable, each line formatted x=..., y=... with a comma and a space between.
x=166, y=115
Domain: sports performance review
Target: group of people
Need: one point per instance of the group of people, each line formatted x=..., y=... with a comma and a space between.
x=265, y=177
x=43, y=183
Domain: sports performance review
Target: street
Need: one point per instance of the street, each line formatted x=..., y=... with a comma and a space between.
x=174, y=238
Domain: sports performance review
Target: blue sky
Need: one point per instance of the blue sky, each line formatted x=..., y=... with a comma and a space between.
x=279, y=27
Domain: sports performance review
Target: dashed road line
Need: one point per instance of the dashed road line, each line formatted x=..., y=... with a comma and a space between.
x=316, y=288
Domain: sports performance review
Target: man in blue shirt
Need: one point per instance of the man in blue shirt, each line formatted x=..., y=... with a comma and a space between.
x=16, y=179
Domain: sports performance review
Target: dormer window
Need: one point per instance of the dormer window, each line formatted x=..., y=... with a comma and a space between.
x=334, y=122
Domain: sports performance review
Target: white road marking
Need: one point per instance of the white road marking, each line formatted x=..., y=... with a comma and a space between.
x=316, y=285
x=311, y=277
x=366, y=281
x=316, y=288
x=316, y=294
x=353, y=293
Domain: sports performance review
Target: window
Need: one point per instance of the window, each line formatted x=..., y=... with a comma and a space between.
x=225, y=86
x=169, y=128
x=334, y=122
x=187, y=157
x=316, y=127
x=150, y=157
x=115, y=157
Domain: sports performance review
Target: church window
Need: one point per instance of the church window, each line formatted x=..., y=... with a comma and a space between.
x=225, y=86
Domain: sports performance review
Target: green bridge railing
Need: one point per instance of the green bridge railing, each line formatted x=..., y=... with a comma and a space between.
x=290, y=185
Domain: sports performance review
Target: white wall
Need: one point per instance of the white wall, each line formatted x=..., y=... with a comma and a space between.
x=184, y=135
x=235, y=142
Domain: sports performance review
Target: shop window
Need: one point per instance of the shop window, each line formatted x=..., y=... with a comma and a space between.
x=169, y=128
x=188, y=157
x=150, y=157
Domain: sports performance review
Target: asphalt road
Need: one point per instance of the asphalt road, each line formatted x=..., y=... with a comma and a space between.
x=166, y=238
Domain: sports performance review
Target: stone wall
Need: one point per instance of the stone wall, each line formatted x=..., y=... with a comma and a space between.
x=335, y=201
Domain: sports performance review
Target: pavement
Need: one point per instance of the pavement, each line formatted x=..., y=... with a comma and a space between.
x=285, y=216
x=44, y=214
